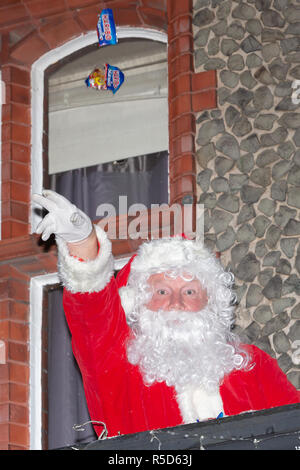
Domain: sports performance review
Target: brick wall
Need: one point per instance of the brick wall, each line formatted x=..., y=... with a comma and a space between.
x=29, y=29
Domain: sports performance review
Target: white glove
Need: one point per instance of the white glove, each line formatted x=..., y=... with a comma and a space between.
x=64, y=218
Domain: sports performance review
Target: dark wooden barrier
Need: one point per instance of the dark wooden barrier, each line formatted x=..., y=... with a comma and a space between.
x=272, y=429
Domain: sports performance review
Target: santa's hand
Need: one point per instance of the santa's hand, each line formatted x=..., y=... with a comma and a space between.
x=64, y=219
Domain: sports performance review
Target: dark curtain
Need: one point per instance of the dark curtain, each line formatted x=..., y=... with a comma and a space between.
x=143, y=180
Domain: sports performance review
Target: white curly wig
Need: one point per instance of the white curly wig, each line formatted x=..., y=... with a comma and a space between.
x=197, y=348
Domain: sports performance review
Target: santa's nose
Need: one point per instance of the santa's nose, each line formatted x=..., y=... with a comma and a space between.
x=175, y=302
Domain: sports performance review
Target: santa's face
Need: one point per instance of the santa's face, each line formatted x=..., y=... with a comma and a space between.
x=176, y=294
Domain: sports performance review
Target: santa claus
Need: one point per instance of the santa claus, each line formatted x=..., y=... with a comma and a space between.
x=155, y=344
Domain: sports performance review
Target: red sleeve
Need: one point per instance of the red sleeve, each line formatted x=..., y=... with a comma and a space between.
x=99, y=330
x=274, y=384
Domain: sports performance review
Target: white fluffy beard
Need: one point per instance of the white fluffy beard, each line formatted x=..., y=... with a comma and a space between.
x=182, y=348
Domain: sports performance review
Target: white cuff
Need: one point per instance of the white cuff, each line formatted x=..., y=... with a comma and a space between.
x=86, y=276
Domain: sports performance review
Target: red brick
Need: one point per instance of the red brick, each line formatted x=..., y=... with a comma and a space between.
x=6, y=131
x=48, y=263
x=20, y=114
x=4, y=329
x=181, y=25
x=181, y=45
x=182, y=64
x=4, y=433
x=184, y=125
x=6, y=170
x=19, y=373
x=20, y=211
x=20, y=192
x=125, y=13
x=19, y=435
x=20, y=172
x=19, y=311
x=158, y=4
x=5, y=209
x=18, y=352
x=29, y=49
x=19, y=393
x=4, y=288
x=5, y=190
x=183, y=165
x=178, y=8
x=57, y=34
x=12, y=14
x=183, y=144
x=19, y=332
x=4, y=393
x=4, y=377
x=18, y=32
x=180, y=105
x=19, y=414
x=154, y=17
x=27, y=266
x=6, y=112
x=6, y=152
x=4, y=309
x=44, y=8
x=4, y=413
x=5, y=229
x=184, y=185
x=19, y=229
x=204, y=80
x=20, y=133
x=9, y=2
x=180, y=85
x=88, y=17
x=204, y=100
x=15, y=447
x=20, y=76
x=20, y=94
x=81, y=3
x=19, y=290
x=20, y=153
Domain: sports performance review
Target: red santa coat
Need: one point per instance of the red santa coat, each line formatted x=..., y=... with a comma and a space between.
x=114, y=388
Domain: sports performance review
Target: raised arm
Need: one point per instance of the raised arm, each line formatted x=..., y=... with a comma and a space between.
x=68, y=222
x=91, y=299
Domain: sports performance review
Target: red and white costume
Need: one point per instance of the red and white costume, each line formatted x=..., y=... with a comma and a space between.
x=114, y=388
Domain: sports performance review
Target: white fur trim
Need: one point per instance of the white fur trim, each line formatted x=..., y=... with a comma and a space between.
x=197, y=404
x=167, y=253
x=86, y=276
x=127, y=296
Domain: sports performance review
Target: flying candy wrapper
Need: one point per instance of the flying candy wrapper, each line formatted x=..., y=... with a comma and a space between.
x=106, y=28
x=106, y=78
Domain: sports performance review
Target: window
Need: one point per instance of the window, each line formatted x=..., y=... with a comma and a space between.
x=101, y=146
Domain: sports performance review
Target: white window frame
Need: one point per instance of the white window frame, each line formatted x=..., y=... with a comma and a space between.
x=38, y=283
x=37, y=99
x=2, y=101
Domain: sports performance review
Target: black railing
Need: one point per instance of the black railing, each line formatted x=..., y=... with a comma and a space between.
x=272, y=429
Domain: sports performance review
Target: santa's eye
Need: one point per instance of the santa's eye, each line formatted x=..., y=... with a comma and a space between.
x=190, y=292
x=162, y=292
